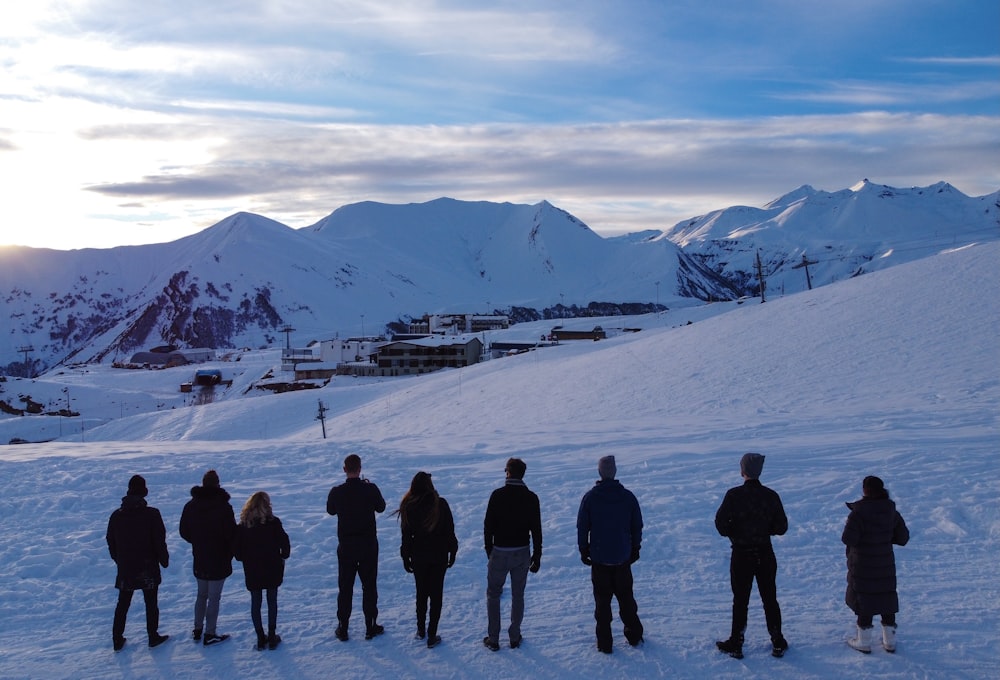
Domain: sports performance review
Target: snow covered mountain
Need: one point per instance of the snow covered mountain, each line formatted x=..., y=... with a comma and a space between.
x=841, y=234
x=242, y=281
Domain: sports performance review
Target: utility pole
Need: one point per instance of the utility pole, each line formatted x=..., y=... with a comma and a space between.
x=760, y=278
x=27, y=367
x=288, y=342
x=805, y=263
x=322, y=417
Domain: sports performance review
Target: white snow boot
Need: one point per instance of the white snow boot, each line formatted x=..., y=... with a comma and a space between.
x=863, y=641
x=889, y=638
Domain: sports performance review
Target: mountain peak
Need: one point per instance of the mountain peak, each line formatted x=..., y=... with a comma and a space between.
x=804, y=191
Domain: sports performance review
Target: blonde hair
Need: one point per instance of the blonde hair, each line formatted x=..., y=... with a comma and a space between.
x=257, y=510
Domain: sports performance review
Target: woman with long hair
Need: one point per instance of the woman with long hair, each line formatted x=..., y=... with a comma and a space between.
x=262, y=546
x=428, y=549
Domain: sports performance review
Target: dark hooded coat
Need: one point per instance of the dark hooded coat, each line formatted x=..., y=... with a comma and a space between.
x=137, y=541
x=263, y=549
x=209, y=525
x=873, y=526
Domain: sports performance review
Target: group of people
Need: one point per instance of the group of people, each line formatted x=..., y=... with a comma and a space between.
x=609, y=538
x=750, y=514
x=137, y=542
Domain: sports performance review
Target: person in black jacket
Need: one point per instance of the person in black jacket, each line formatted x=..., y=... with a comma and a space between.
x=609, y=536
x=749, y=515
x=428, y=549
x=873, y=526
x=137, y=541
x=513, y=516
x=262, y=546
x=355, y=503
x=209, y=525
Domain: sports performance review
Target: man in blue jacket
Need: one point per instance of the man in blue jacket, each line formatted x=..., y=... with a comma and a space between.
x=609, y=535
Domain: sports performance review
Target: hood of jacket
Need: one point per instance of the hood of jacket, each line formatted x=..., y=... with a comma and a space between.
x=208, y=493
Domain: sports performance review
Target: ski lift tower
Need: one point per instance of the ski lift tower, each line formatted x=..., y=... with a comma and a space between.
x=26, y=349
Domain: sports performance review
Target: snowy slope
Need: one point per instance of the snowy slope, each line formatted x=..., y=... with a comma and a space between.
x=895, y=374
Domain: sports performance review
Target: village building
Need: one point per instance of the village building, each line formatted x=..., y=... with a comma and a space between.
x=172, y=357
x=417, y=356
x=453, y=324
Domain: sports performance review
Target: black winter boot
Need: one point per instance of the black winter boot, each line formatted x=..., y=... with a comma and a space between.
x=733, y=646
x=779, y=645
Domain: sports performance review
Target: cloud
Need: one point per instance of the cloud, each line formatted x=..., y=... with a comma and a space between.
x=304, y=169
x=869, y=94
x=991, y=60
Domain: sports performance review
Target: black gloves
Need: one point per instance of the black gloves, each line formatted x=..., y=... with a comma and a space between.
x=536, y=563
x=634, y=557
x=408, y=565
x=451, y=560
x=585, y=556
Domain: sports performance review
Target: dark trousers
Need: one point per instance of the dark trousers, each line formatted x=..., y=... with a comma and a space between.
x=744, y=566
x=430, y=587
x=614, y=581
x=867, y=620
x=121, y=612
x=256, y=600
x=357, y=561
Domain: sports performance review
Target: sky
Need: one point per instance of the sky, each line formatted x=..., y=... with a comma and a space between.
x=893, y=373
x=127, y=124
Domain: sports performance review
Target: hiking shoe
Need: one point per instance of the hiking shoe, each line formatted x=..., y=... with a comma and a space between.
x=515, y=643
x=273, y=640
x=261, y=643
x=341, y=633
x=778, y=647
x=196, y=634
x=213, y=639
x=374, y=631
x=733, y=648
x=491, y=645
x=433, y=641
x=118, y=643
x=156, y=640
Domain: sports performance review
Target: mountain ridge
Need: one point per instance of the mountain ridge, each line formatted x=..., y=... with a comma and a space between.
x=243, y=280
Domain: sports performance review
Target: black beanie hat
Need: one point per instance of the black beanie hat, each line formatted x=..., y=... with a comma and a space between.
x=751, y=465
x=137, y=486
x=211, y=479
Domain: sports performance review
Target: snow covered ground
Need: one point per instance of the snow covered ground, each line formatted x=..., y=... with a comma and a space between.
x=895, y=373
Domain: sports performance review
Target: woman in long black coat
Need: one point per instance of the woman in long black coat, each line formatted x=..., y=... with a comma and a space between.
x=873, y=526
x=262, y=546
x=428, y=549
